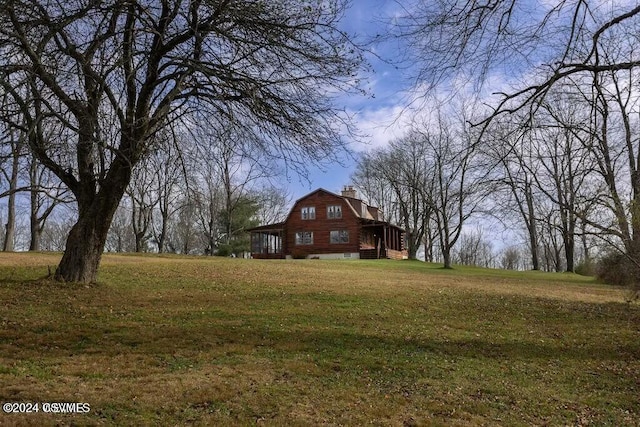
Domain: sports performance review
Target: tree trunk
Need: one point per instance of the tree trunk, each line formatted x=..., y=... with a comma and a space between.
x=86, y=241
x=532, y=228
x=83, y=251
x=569, y=252
x=88, y=236
x=34, y=224
x=10, y=227
x=446, y=255
x=533, y=242
x=163, y=233
x=412, y=245
x=36, y=234
x=429, y=242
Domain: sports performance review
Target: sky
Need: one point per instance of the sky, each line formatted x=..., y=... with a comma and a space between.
x=377, y=116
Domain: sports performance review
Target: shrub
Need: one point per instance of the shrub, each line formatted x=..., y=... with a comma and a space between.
x=586, y=268
x=224, y=250
x=617, y=269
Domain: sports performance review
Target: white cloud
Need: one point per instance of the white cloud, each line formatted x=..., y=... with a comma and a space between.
x=379, y=126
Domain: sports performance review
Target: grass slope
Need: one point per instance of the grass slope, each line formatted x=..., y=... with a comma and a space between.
x=185, y=340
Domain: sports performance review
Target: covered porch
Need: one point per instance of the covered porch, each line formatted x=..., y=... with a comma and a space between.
x=267, y=241
x=382, y=240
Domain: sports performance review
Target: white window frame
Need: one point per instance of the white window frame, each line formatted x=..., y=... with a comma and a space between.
x=334, y=211
x=304, y=238
x=308, y=212
x=338, y=237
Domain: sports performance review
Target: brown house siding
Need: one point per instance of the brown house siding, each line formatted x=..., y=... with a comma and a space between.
x=321, y=226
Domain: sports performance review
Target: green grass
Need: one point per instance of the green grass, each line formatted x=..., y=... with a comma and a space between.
x=186, y=340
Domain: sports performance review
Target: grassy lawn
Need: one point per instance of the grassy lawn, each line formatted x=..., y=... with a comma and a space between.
x=187, y=340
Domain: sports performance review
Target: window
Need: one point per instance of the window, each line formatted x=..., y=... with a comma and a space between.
x=309, y=212
x=334, y=212
x=339, y=236
x=304, y=238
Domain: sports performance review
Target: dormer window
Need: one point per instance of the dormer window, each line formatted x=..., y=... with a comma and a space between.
x=334, y=212
x=309, y=212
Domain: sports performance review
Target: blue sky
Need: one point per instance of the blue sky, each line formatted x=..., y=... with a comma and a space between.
x=376, y=114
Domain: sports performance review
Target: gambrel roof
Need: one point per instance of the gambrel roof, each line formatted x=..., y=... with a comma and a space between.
x=355, y=205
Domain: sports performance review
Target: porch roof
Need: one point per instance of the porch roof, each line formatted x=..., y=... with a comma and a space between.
x=373, y=223
x=279, y=226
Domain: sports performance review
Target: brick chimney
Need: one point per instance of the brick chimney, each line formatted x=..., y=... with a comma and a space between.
x=349, y=191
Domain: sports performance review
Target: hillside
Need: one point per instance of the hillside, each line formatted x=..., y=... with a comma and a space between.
x=179, y=340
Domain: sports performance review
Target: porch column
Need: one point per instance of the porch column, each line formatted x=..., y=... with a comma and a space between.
x=385, y=231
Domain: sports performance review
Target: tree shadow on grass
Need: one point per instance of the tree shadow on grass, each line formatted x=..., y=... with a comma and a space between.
x=526, y=349
x=126, y=335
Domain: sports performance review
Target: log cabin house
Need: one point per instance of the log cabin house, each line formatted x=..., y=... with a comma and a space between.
x=326, y=225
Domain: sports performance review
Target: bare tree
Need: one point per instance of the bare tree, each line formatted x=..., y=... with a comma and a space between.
x=407, y=171
x=510, y=258
x=274, y=204
x=11, y=173
x=559, y=163
x=207, y=202
x=56, y=230
x=186, y=233
x=46, y=193
x=143, y=200
x=403, y=170
x=269, y=67
x=474, y=249
x=235, y=173
x=514, y=197
x=120, y=237
x=616, y=151
x=457, y=189
x=169, y=178
x=374, y=187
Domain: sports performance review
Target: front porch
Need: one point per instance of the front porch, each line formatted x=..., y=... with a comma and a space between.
x=380, y=241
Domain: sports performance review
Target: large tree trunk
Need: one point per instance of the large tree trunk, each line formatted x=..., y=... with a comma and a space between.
x=569, y=251
x=88, y=236
x=412, y=245
x=36, y=234
x=163, y=233
x=85, y=243
x=84, y=249
x=446, y=254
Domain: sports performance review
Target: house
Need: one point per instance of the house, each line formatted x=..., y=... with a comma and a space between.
x=326, y=225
